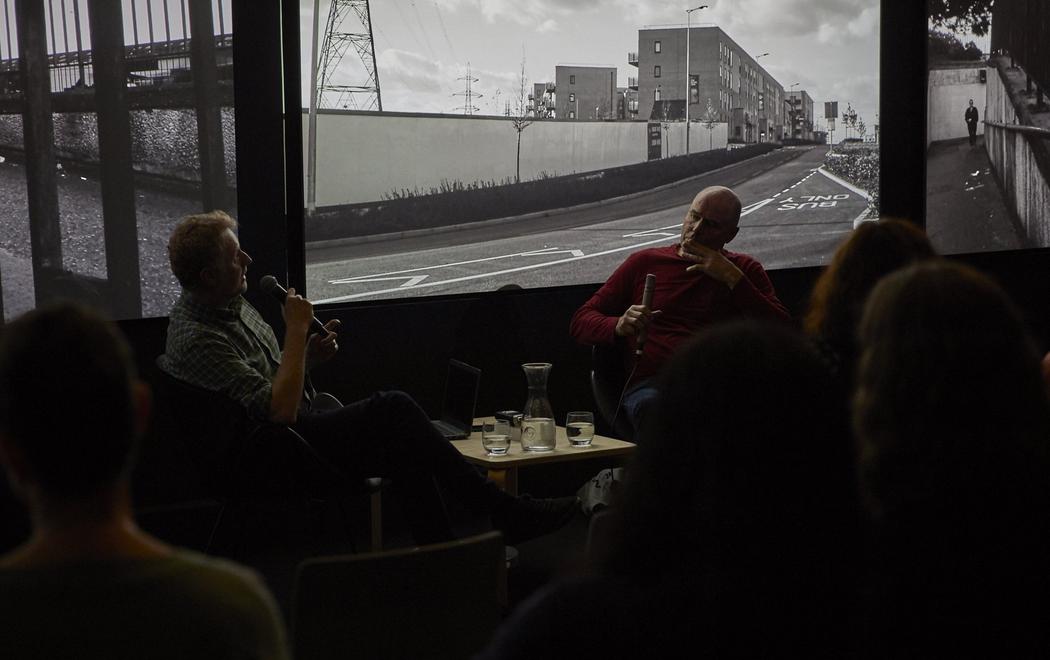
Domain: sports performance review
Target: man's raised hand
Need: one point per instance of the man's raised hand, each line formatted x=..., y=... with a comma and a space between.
x=711, y=262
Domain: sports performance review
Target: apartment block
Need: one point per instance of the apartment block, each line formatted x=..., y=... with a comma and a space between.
x=799, y=106
x=727, y=84
x=585, y=92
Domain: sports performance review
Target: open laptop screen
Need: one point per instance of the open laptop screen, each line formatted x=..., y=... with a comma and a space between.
x=461, y=395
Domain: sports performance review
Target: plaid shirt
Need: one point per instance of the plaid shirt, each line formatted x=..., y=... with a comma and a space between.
x=230, y=350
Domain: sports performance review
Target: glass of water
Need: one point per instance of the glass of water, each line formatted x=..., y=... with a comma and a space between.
x=579, y=428
x=495, y=437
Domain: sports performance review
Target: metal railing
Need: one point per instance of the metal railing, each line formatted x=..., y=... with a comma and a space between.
x=1019, y=128
x=156, y=33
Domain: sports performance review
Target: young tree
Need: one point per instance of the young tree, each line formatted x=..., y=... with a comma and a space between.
x=709, y=119
x=520, y=119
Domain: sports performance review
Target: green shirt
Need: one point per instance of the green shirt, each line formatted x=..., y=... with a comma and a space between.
x=185, y=605
x=230, y=350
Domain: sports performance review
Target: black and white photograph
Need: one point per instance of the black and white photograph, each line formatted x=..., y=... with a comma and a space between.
x=120, y=124
x=455, y=146
x=987, y=121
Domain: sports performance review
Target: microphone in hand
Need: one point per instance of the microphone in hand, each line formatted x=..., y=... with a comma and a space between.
x=270, y=285
x=647, y=301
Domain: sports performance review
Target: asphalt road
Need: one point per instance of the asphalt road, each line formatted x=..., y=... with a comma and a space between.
x=794, y=215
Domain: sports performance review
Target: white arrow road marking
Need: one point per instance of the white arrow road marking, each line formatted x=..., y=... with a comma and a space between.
x=553, y=250
x=410, y=280
x=401, y=274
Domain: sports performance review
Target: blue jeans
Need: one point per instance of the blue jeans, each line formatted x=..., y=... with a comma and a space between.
x=638, y=401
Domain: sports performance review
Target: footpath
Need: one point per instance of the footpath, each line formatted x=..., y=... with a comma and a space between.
x=965, y=211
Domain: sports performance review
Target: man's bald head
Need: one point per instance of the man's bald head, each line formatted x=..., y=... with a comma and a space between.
x=712, y=219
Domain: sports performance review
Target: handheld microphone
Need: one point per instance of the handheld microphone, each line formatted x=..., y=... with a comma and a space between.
x=270, y=285
x=647, y=301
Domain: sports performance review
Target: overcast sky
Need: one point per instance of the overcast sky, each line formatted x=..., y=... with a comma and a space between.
x=422, y=47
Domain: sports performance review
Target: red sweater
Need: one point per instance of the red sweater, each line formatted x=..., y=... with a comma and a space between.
x=687, y=301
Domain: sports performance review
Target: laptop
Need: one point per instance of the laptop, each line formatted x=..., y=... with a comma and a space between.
x=461, y=395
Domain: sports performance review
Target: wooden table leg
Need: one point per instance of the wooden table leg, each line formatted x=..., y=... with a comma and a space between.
x=505, y=479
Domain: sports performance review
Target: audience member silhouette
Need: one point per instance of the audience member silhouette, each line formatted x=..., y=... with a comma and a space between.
x=953, y=424
x=739, y=521
x=871, y=252
x=88, y=583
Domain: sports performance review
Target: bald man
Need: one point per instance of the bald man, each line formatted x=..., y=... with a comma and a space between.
x=698, y=282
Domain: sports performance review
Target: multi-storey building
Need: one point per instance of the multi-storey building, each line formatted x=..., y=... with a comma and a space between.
x=800, y=115
x=739, y=90
x=585, y=92
x=541, y=101
x=627, y=103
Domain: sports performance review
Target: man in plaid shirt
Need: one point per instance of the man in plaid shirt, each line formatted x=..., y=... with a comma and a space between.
x=218, y=341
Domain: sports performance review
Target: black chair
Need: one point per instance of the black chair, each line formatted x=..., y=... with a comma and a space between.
x=214, y=436
x=436, y=601
x=608, y=378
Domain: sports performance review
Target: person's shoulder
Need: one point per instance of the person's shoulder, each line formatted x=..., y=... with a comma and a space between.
x=221, y=574
x=649, y=255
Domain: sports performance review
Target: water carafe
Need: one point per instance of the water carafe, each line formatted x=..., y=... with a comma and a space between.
x=537, y=426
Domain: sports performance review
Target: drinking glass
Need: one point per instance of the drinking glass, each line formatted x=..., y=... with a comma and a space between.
x=495, y=437
x=579, y=428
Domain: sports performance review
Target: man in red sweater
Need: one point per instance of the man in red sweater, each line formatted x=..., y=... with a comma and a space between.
x=698, y=282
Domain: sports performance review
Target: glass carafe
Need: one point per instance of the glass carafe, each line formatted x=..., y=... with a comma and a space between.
x=537, y=426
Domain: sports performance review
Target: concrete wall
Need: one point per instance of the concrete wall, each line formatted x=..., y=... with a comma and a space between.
x=699, y=138
x=1013, y=158
x=363, y=157
x=948, y=95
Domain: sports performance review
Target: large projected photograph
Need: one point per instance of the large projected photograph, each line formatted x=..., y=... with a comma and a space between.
x=988, y=120
x=115, y=122
x=456, y=146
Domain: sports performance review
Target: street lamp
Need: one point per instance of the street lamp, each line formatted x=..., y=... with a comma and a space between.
x=688, y=16
x=794, y=111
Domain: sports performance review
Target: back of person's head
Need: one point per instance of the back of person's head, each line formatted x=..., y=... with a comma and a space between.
x=744, y=479
x=196, y=244
x=871, y=252
x=66, y=401
x=948, y=379
x=953, y=424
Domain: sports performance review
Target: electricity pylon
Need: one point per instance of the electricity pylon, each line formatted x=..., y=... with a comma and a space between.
x=361, y=94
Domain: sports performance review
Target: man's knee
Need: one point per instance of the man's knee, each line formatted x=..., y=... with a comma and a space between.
x=396, y=402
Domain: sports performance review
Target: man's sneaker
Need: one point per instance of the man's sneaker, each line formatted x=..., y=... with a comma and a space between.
x=526, y=518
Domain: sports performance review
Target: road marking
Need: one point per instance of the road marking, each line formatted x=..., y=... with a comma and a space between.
x=661, y=237
x=544, y=251
x=467, y=278
x=395, y=273
x=411, y=280
x=845, y=184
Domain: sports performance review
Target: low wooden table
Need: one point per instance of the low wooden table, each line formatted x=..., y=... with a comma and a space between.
x=503, y=470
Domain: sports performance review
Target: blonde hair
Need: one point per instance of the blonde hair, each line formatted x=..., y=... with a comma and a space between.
x=195, y=245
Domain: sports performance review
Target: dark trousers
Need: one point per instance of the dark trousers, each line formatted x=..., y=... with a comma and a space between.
x=972, y=127
x=389, y=435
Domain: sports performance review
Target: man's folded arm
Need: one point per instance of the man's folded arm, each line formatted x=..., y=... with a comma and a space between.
x=754, y=294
